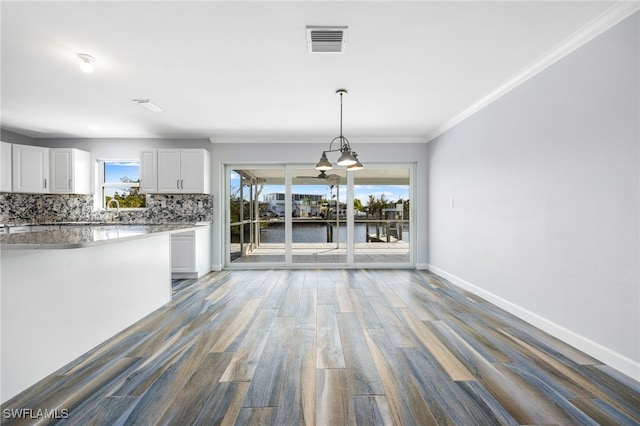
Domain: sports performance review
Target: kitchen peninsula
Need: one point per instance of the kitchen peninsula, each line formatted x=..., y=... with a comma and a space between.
x=86, y=283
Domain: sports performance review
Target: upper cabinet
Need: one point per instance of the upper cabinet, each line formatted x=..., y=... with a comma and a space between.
x=5, y=167
x=149, y=171
x=40, y=170
x=70, y=171
x=183, y=171
x=30, y=169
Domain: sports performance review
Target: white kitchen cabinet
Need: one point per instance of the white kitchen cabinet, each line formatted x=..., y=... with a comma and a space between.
x=30, y=169
x=5, y=167
x=191, y=253
x=183, y=253
x=70, y=171
x=183, y=171
x=149, y=171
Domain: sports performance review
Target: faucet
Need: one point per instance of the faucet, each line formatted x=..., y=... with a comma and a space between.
x=117, y=216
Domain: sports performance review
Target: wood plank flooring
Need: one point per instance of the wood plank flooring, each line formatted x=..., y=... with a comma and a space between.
x=329, y=347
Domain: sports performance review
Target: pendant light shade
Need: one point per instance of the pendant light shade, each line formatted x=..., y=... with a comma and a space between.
x=357, y=166
x=324, y=163
x=346, y=159
x=347, y=156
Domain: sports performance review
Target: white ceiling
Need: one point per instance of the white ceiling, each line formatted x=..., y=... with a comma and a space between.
x=240, y=70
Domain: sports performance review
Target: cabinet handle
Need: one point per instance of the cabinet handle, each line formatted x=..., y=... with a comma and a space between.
x=69, y=183
x=181, y=183
x=178, y=183
x=45, y=183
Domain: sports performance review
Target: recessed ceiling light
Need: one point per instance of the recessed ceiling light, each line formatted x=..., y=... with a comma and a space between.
x=148, y=105
x=87, y=62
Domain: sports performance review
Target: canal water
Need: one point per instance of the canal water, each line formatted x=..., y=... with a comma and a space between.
x=315, y=233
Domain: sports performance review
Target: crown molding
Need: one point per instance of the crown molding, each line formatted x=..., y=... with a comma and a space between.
x=588, y=32
x=314, y=139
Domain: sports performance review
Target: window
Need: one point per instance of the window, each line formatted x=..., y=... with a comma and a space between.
x=120, y=180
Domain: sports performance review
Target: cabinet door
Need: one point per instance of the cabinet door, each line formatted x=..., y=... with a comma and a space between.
x=5, y=167
x=30, y=169
x=70, y=171
x=148, y=171
x=81, y=172
x=183, y=252
x=192, y=171
x=169, y=171
x=61, y=170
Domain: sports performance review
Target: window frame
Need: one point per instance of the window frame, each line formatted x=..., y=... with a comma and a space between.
x=99, y=202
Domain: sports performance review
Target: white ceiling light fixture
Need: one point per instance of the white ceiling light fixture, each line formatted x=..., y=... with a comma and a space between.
x=323, y=40
x=348, y=157
x=148, y=105
x=87, y=62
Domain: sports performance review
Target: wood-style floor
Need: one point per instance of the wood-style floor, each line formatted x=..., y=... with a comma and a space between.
x=332, y=347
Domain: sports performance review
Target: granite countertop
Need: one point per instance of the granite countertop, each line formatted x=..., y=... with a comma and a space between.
x=77, y=236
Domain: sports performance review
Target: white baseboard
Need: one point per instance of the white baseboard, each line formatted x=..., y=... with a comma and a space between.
x=620, y=362
x=422, y=266
x=183, y=275
x=216, y=267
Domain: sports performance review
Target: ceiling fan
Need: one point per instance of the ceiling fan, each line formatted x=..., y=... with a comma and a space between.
x=332, y=178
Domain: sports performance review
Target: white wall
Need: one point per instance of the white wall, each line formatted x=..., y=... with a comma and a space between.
x=534, y=201
x=282, y=153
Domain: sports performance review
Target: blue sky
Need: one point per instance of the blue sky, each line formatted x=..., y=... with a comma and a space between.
x=362, y=192
x=114, y=170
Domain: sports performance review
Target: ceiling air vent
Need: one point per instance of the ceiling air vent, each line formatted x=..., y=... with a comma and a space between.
x=326, y=39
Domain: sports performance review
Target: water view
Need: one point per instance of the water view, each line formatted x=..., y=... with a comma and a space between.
x=317, y=233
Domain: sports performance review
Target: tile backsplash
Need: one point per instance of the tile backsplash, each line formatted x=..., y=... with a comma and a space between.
x=47, y=208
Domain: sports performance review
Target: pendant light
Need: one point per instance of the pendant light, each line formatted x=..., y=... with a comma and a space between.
x=347, y=156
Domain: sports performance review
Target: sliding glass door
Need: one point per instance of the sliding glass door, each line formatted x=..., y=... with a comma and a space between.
x=382, y=219
x=295, y=216
x=318, y=219
x=255, y=216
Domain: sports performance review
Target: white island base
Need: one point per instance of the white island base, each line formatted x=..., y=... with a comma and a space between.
x=58, y=304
